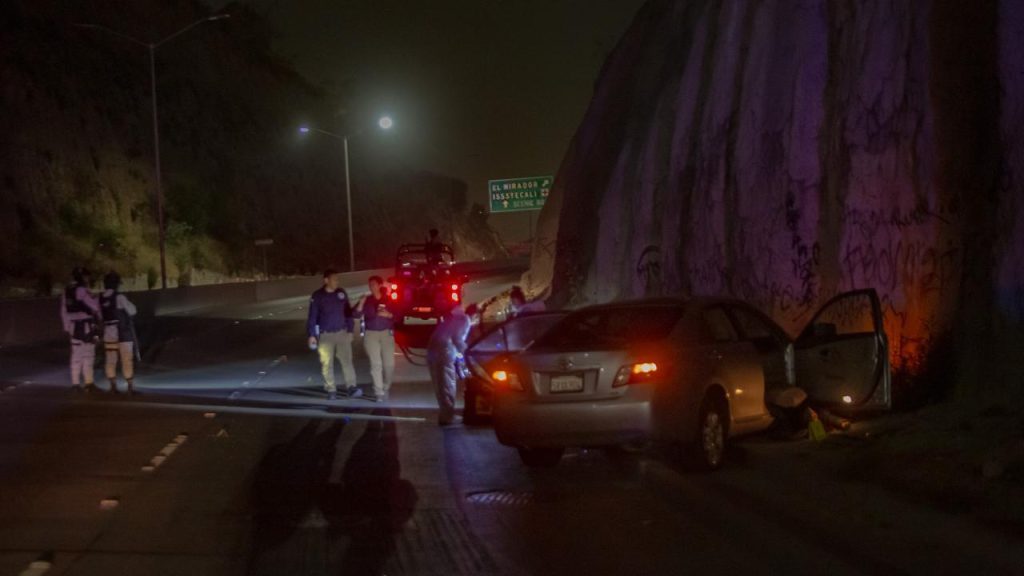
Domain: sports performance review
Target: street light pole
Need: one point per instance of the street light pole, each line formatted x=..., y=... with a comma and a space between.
x=385, y=123
x=161, y=231
x=152, y=46
x=348, y=203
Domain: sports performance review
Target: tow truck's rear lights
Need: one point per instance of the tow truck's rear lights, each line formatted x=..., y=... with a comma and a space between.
x=507, y=379
x=455, y=296
x=455, y=287
x=394, y=291
x=635, y=373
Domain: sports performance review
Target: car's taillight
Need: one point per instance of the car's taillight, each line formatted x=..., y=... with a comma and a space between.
x=635, y=373
x=394, y=291
x=507, y=379
x=455, y=296
x=455, y=287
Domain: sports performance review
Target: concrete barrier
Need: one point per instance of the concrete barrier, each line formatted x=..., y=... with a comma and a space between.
x=37, y=320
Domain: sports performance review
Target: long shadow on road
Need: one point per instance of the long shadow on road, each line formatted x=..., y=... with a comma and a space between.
x=306, y=523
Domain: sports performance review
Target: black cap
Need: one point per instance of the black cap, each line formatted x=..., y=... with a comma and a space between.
x=79, y=273
x=112, y=280
x=329, y=272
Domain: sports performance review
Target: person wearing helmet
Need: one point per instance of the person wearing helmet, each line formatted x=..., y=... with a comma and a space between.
x=118, y=332
x=79, y=312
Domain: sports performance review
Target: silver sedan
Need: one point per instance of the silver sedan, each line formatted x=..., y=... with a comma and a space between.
x=690, y=372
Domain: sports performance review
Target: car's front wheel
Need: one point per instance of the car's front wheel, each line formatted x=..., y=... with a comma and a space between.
x=707, y=450
x=541, y=457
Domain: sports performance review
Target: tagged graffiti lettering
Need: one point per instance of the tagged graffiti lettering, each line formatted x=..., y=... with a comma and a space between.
x=648, y=270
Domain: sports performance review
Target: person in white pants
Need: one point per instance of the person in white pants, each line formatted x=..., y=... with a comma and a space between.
x=118, y=332
x=379, y=336
x=79, y=311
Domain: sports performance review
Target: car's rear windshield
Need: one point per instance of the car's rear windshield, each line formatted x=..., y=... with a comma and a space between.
x=617, y=327
x=515, y=334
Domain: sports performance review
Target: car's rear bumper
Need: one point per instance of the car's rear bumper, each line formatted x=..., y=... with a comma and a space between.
x=520, y=422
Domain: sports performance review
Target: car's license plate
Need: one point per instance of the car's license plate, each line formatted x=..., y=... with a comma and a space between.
x=568, y=383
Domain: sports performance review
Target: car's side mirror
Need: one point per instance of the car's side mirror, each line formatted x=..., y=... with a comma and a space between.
x=823, y=330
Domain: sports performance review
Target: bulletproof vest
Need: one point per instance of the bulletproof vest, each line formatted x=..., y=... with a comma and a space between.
x=108, y=306
x=82, y=329
x=113, y=315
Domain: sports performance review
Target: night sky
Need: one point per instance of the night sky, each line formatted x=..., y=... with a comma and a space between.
x=478, y=89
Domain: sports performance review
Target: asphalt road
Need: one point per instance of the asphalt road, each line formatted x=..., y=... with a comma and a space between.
x=232, y=462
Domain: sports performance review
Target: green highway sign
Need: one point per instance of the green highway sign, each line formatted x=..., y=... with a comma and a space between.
x=519, y=194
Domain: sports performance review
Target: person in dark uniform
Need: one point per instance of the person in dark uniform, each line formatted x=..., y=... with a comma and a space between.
x=433, y=248
x=118, y=332
x=329, y=327
x=379, y=338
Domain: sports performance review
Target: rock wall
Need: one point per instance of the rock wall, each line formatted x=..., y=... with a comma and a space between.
x=782, y=151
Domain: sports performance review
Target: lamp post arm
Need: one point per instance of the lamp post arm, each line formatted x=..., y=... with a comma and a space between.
x=113, y=32
x=187, y=28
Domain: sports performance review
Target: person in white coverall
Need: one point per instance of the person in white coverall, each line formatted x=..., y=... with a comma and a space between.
x=445, y=348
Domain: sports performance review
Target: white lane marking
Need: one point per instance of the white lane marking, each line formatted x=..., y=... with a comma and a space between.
x=36, y=568
x=257, y=411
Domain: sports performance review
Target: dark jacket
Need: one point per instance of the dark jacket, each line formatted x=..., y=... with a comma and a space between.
x=372, y=320
x=329, y=312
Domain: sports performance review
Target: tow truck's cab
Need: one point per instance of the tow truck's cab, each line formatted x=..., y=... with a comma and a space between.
x=426, y=284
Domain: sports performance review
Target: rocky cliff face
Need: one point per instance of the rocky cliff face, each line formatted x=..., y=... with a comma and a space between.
x=783, y=151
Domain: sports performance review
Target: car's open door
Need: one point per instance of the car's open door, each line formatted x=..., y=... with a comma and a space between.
x=842, y=356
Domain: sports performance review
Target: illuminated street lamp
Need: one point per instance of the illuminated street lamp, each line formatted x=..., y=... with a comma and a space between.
x=152, y=46
x=385, y=123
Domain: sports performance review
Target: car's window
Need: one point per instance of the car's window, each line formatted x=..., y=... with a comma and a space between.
x=846, y=316
x=492, y=342
x=719, y=327
x=752, y=326
x=520, y=332
x=612, y=327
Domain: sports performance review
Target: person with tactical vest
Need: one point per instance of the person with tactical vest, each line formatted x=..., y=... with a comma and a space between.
x=79, y=312
x=118, y=332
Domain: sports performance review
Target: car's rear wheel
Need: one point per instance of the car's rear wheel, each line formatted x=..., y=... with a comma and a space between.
x=541, y=457
x=706, y=452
